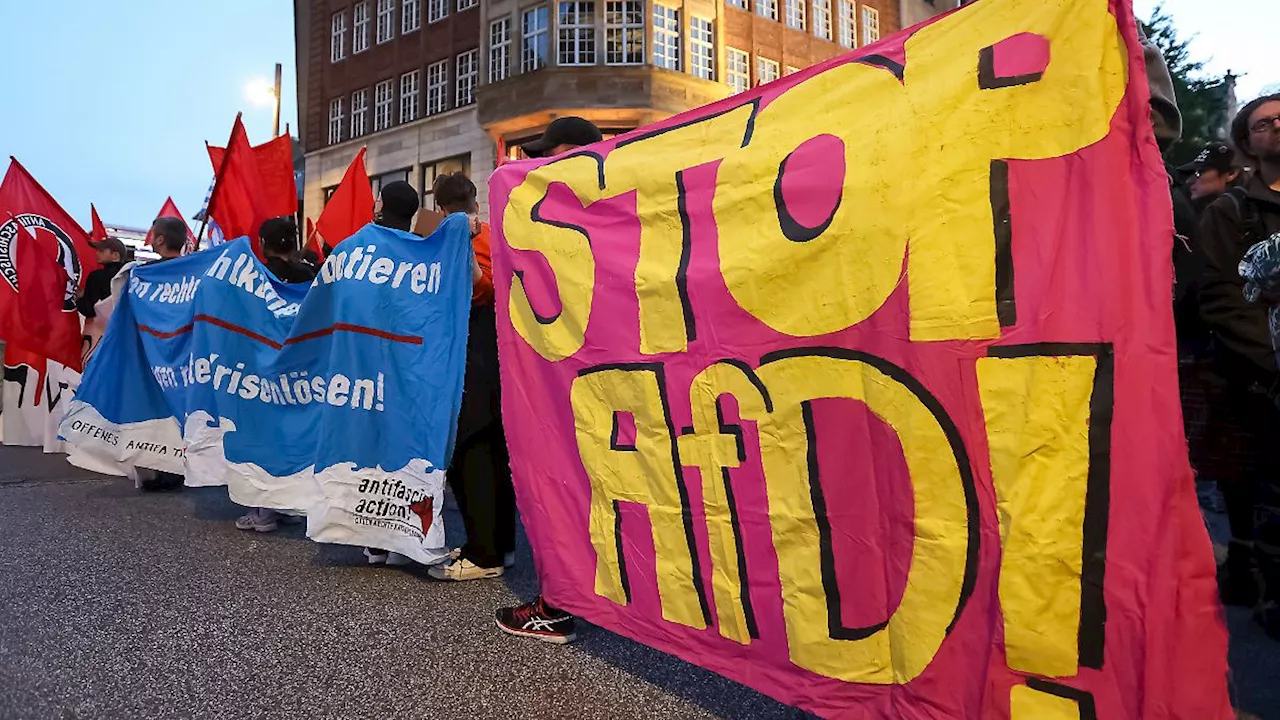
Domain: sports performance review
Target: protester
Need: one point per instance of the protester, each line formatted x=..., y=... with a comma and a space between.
x=1245, y=359
x=395, y=208
x=538, y=619
x=168, y=239
x=278, y=238
x=112, y=255
x=1213, y=172
x=481, y=472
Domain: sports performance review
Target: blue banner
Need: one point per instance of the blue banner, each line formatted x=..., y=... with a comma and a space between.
x=338, y=399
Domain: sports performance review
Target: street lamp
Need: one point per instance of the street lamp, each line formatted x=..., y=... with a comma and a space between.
x=260, y=92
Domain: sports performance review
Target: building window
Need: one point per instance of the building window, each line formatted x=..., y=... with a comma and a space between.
x=433, y=170
x=436, y=10
x=767, y=9
x=382, y=94
x=624, y=32
x=359, y=110
x=666, y=37
x=466, y=4
x=360, y=21
x=410, y=84
x=499, y=49
x=338, y=40
x=437, y=87
x=410, y=16
x=577, y=39
x=766, y=70
x=533, y=53
x=467, y=71
x=795, y=14
x=386, y=16
x=737, y=73
x=822, y=19
x=336, y=118
x=848, y=23
x=870, y=25
x=740, y=4
x=702, y=43
x=378, y=181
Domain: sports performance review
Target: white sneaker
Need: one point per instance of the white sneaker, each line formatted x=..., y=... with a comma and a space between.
x=463, y=569
x=375, y=556
x=509, y=560
x=258, y=520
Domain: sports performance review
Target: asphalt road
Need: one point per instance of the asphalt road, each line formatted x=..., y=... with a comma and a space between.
x=115, y=604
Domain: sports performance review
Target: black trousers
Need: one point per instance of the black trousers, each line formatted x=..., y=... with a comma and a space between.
x=481, y=483
x=480, y=475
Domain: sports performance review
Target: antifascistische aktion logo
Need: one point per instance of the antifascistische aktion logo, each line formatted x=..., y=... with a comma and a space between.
x=67, y=257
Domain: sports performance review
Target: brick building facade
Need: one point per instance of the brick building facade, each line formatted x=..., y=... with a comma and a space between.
x=433, y=86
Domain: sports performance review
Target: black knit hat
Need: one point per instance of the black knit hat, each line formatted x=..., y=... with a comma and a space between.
x=399, y=200
x=1240, y=126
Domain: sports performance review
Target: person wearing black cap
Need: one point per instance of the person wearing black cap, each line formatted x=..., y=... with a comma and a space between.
x=1245, y=359
x=97, y=287
x=1213, y=172
x=537, y=618
x=396, y=206
x=562, y=135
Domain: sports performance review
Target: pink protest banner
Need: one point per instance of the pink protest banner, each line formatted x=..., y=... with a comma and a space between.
x=860, y=387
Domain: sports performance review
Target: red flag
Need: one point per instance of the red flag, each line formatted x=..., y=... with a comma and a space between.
x=314, y=240
x=275, y=174
x=502, y=152
x=236, y=201
x=351, y=205
x=169, y=209
x=57, y=251
x=99, y=232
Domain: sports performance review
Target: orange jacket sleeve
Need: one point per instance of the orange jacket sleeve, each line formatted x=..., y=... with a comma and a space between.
x=483, y=292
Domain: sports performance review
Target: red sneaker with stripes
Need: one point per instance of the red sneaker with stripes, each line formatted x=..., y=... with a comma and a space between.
x=537, y=620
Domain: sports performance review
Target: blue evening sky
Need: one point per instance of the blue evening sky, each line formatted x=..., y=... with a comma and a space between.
x=111, y=102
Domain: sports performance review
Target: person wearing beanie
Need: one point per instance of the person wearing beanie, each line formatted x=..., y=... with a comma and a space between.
x=396, y=206
x=1244, y=357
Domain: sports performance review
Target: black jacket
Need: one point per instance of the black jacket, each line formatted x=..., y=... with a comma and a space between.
x=97, y=287
x=1242, y=341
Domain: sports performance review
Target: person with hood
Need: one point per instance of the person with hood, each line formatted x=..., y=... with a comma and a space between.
x=1245, y=358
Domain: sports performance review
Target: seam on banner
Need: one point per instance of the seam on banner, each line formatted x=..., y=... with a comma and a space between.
x=336, y=327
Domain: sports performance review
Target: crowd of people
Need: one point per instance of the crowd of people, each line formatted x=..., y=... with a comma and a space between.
x=1225, y=201
x=480, y=474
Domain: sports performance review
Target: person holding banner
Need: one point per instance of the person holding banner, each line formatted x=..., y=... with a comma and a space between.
x=537, y=619
x=481, y=472
x=278, y=238
x=168, y=240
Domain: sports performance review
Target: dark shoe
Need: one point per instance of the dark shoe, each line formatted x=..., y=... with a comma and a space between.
x=537, y=620
x=1238, y=581
x=158, y=481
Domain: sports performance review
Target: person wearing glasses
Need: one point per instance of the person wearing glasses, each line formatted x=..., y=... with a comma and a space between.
x=1245, y=360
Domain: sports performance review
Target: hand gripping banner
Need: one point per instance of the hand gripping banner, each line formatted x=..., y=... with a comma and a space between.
x=860, y=387
x=338, y=400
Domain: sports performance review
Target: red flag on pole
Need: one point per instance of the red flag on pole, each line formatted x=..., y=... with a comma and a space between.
x=313, y=239
x=351, y=205
x=236, y=201
x=274, y=161
x=99, y=231
x=44, y=258
x=169, y=209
